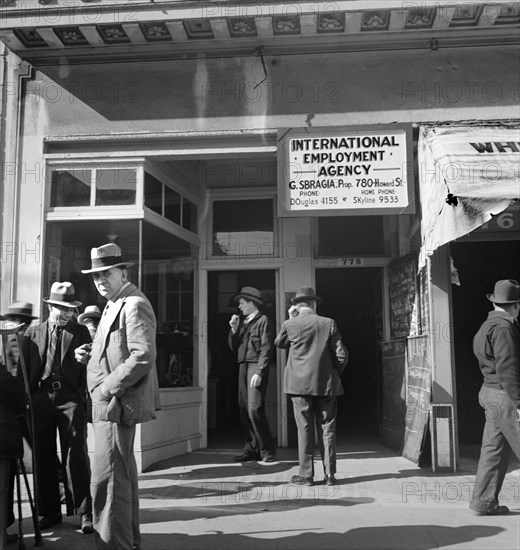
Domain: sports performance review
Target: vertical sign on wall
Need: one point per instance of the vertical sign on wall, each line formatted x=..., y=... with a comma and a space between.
x=345, y=171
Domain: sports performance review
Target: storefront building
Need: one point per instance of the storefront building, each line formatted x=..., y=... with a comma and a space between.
x=275, y=145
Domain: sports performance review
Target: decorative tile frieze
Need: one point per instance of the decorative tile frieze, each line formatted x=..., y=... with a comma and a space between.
x=198, y=28
x=509, y=14
x=244, y=26
x=71, y=36
x=30, y=38
x=375, y=20
x=155, y=32
x=113, y=34
x=466, y=15
x=331, y=22
x=420, y=18
x=286, y=24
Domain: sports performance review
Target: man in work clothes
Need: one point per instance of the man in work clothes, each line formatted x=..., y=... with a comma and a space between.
x=122, y=381
x=497, y=348
x=312, y=379
x=57, y=384
x=252, y=339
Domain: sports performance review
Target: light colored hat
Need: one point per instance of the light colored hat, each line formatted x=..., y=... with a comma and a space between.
x=105, y=257
x=19, y=309
x=63, y=294
x=251, y=294
x=91, y=312
x=506, y=291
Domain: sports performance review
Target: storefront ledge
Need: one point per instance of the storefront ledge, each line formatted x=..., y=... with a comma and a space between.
x=147, y=456
x=173, y=397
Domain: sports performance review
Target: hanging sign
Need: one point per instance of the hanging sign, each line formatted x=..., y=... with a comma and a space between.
x=345, y=171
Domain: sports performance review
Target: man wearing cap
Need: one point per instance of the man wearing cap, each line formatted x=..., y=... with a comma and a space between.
x=497, y=348
x=57, y=382
x=312, y=378
x=122, y=381
x=90, y=318
x=252, y=339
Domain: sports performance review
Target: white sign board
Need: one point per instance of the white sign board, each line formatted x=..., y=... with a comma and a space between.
x=341, y=171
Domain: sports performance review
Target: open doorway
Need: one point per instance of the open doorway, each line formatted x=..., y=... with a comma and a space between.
x=479, y=265
x=352, y=297
x=224, y=430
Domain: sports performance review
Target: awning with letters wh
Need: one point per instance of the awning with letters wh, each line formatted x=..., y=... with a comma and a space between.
x=467, y=175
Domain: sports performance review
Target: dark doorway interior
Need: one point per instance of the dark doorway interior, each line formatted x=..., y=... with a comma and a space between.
x=224, y=431
x=353, y=298
x=479, y=266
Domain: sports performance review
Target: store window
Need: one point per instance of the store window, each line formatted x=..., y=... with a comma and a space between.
x=90, y=186
x=169, y=203
x=351, y=235
x=166, y=275
x=243, y=228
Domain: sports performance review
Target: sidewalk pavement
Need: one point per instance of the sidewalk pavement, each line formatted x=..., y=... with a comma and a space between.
x=204, y=500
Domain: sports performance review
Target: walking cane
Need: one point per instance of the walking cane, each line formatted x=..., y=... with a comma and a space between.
x=7, y=328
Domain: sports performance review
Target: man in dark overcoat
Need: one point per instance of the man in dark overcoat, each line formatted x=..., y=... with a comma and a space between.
x=315, y=361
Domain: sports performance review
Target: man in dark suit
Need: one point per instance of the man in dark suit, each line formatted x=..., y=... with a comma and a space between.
x=57, y=383
x=252, y=339
x=312, y=379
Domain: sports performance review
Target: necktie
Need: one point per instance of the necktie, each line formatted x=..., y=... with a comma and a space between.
x=51, y=363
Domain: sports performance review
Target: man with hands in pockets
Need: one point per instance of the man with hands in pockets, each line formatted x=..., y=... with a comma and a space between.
x=122, y=381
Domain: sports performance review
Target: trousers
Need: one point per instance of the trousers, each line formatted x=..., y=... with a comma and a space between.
x=63, y=411
x=310, y=413
x=115, y=497
x=251, y=401
x=501, y=436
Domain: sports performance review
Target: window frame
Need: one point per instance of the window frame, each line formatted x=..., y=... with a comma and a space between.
x=234, y=194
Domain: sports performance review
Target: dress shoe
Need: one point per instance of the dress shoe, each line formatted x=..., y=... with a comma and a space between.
x=496, y=511
x=86, y=524
x=49, y=521
x=11, y=538
x=244, y=457
x=269, y=458
x=330, y=480
x=300, y=480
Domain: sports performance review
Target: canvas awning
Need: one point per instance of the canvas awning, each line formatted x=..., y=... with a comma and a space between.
x=466, y=176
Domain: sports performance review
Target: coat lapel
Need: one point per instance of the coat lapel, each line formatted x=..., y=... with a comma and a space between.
x=66, y=339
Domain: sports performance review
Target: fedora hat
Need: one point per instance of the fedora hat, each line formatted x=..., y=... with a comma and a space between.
x=506, y=291
x=91, y=312
x=251, y=294
x=63, y=294
x=19, y=309
x=305, y=294
x=105, y=257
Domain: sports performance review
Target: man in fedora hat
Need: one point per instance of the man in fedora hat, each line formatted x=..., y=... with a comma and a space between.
x=122, y=381
x=19, y=313
x=252, y=339
x=497, y=348
x=312, y=378
x=90, y=318
x=57, y=382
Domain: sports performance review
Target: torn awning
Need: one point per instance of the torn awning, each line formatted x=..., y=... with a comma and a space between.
x=466, y=176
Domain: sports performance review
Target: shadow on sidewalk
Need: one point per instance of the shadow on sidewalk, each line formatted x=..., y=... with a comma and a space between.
x=396, y=537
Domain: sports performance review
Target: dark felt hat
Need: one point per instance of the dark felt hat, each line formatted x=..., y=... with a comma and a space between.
x=63, y=294
x=506, y=291
x=305, y=294
x=251, y=294
x=19, y=309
